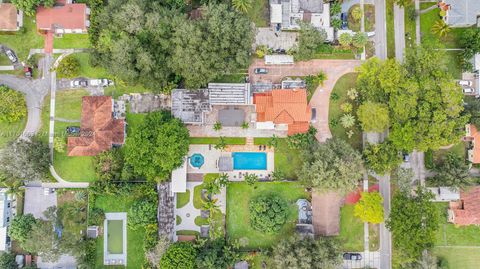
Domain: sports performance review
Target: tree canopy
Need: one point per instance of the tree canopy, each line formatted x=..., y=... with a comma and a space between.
x=180, y=255
x=310, y=38
x=370, y=207
x=217, y=254
x=7, y=261
x=12, y=105
x=453, y=172
x=471, y=42
x=333, y=165
x=268, y=213
x=373, y=117
x=413, y=221
x=297, y=253
x=30, y=6
x=157, y=146
x=424, y=102
x=20, y=227
x=381, y=158
x=148, y=42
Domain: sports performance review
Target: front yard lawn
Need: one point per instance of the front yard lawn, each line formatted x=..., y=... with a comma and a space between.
x=11, y=131
x=22, y=42
x=453, y=59
x=449, y=235
x=457, y=149
x=369, y=18
x=72, y=41
x=87, y=69
x=286, y=159
x=258, y=13
x=215, y=140
x=410, y=26
x=351, y=230
x=458, y=257
x=345, y=83
x=239, y=195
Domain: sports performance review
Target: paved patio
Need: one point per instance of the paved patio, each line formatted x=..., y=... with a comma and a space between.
x=281, y=40
x=207, y=131
x=334, y=69
x=36, y=202
x=188, y=213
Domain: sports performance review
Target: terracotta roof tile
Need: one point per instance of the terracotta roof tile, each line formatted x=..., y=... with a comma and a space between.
x=69, y=16
x=8, y=17
x=284, y=107
x=476, y=143
x=467, y=210
x=98, y=130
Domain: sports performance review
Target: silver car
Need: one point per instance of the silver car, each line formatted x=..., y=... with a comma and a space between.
x=13, y=58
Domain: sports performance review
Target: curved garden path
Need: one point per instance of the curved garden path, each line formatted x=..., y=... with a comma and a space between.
x=320, y=100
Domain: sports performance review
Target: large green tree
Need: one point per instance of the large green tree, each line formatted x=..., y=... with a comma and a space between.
x=43, y=241
x=424, y=102
x=453, y=172
x=21, y=227
x=30, y=6
x=218, y=43
x=413, y=221
x=310, y=38
x=472, y=109
x=268, y=213
x=12, y=105
x=25, y=160
x=381, y=158
x=180, y=255
x=373, y=117
x=471, y=42
x=7, y=261
x=333, y=165
x=297, y=253
x=157, y=146
x=217, y=254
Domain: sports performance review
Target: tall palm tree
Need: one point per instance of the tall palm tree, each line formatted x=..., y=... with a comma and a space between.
x=242, y=5
x=440, y=28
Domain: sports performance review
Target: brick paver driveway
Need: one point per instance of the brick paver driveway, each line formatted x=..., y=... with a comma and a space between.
x=320, y=99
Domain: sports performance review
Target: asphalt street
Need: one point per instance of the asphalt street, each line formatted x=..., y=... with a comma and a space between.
x=380, y=29
x=399, y=26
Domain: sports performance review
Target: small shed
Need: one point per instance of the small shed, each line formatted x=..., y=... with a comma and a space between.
x=278, y=59
x=92, y=231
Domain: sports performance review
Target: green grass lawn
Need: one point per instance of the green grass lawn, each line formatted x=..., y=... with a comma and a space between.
x=458, y=149
x=87, y=69
x=258, y=13
x=121, y=88
x=215, y=140
x=464, y=258
x=239, y=195
x=449, y=235
x=115, y=236
x=68, y=104
x=345, y=83
x=351, y=230
x=410, y=27
x=369, y=18
x=390, y=30
x=11, y=131
x=121, y=203
x=286, y=159
x=72, y=41
x=20, y=42
x=453, y=60
x=183, y=199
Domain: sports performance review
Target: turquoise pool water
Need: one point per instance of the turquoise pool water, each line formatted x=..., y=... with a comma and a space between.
x=249, y=160
x=197, y=160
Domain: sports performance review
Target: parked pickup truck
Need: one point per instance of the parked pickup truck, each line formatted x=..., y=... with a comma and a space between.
x=100, y=82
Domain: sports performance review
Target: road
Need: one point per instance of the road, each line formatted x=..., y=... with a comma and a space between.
x=380, y=29
x=369, y=260
x=417, y=164
x=399, y=27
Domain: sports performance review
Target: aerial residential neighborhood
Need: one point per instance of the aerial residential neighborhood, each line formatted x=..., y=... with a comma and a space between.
x=211, y=134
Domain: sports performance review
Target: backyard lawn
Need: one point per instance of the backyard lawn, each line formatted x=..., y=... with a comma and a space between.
x=410, y=26
x=258, y=13
x=72, y=41
x=121, y=203
x=183, y=199
x=239, y=195
x=215, y=140
x=286, y=160
x=345, y=83
x=351, y=230
x=22, y=42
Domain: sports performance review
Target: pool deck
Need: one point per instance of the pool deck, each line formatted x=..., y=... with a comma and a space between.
x=212, y=155
x=115, y=259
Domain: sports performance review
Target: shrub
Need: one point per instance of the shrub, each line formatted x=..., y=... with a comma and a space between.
x=345, y=40
x=346, y=107
x=429, y=164
x=59, y=144
x=80, y=196
x=352, y=94
x=251, y=179
x=347, y=120
x=334, y=96
x=268, y=213
x=109, y=165
x=302, y=141
x=97, y=216
x=12, y=105
x=21, y=226
x=68, y=67
x=7, y=261
x=356, y=13
x=150, y=237
x=217, y=126
x=142, y=213
x=180, y=255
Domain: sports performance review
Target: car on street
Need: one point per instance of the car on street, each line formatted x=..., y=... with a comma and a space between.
x=11, y=55
x=468, y=90
x=78, y=83
x=100, y=82
x=465, y=83
x=352, y=256
x=260, y=71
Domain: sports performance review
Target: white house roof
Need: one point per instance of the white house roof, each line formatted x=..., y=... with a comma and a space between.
x=179, y=178
x=276, y=13
x=462, y=12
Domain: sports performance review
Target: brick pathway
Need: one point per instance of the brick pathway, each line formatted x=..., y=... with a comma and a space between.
x=320, y=100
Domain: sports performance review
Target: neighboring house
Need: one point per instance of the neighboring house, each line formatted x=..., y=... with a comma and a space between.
x=444, y=194
x=64, y=19
x=99, y=130
x=466, y=211
x=461, y=13
x=224, y=102
x=11, y=19
x=473, y=137
x=286, y=15
x=283, y=109
x=326, y=213
x=7, y=212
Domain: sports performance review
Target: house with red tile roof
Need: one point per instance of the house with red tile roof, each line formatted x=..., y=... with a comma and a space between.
x=63, y=19
x=11, y=19
x=99, y=131
x=283, y=109
x=473, y=137
x=466, y=211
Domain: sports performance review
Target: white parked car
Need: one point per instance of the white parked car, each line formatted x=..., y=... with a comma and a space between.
x=465, y=83
x=13, y=58
x=468, y=90
x=78, y=83
x=101, y=82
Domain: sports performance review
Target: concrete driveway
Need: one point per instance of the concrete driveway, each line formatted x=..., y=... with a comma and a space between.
x=369, y=260
x=36, y=202
x=321, y=98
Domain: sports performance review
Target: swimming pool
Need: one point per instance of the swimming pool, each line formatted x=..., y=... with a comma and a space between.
x=249, y=160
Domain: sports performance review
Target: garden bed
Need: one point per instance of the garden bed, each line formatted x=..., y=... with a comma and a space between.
x=239, y=195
